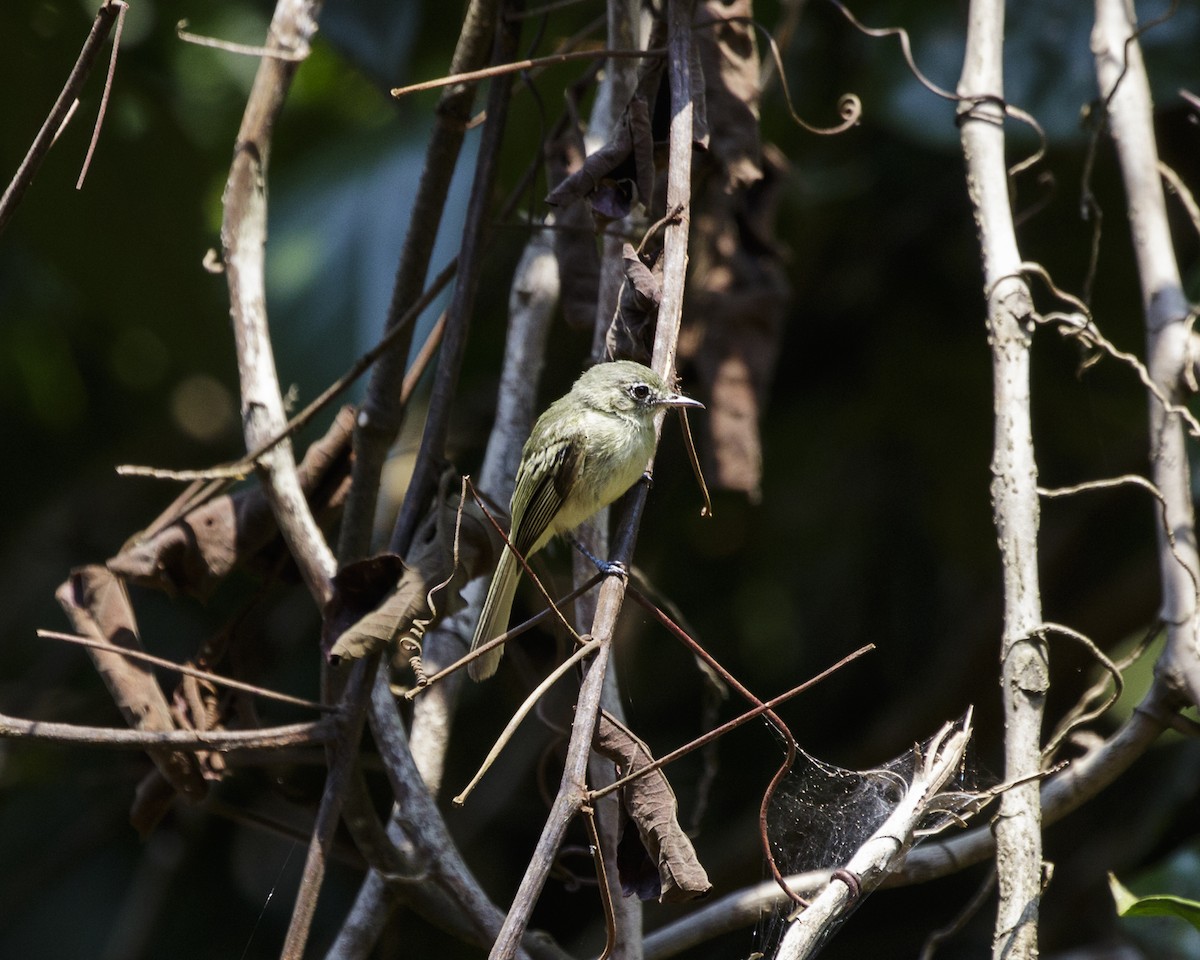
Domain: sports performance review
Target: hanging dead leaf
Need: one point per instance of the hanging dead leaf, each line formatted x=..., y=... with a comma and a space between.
x=728, y=54
x=734, y=315
x=377, y=600
x=619, y=174
x=98, y=606
x=631, y=333
x=650, y=804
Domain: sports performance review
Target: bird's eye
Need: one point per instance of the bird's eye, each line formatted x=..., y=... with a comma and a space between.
x=640, y=392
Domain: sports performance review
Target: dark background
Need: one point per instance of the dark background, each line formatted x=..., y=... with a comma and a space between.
x=874, y=524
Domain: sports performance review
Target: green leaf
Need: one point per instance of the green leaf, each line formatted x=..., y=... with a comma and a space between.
x=1129, y=905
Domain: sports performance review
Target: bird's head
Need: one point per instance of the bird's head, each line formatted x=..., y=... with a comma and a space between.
x=627, y=388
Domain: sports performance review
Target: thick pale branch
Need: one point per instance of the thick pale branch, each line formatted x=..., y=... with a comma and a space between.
x=244, y=237
x=1121, y=74
x=1025, y=671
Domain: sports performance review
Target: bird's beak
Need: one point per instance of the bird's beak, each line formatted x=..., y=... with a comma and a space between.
x=679, y=400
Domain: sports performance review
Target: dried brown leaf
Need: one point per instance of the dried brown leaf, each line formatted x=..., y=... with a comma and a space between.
x=98, y=606
x=650, y=804
x=377, y=600
x=192, y=555
x=623, y=171
x=736, y=304
x=619, y=174
x=631, y=333
x=728, y=53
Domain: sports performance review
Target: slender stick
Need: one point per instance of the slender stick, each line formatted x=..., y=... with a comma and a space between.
x=757, y=711
x=291, y=735
x=486, y=73
x=106, y=16
x=187, y=671
x=522, y=712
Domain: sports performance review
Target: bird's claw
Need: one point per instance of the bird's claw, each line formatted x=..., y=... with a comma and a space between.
x=613, y=568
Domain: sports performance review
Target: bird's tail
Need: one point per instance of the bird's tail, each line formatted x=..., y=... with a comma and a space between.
x=493, y=621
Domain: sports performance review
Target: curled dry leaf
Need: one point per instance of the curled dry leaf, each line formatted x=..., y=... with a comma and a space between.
x=650, y=804
x=192, y=555
x=98, y=606
x=377, y=600
x=631, y=333
x=624, y=170
x=619, y=174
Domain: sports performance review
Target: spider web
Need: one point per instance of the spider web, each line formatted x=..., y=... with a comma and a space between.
x=820, y=814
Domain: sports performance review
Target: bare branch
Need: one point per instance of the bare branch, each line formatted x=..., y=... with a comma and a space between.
x=187, y=671
x=243, y=238
x=1014, y=483
x=486, y=73
x=291, y=735
x=1121, y=76
x=104, y=97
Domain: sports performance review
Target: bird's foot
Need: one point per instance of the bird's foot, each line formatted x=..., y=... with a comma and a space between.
x=610, y=568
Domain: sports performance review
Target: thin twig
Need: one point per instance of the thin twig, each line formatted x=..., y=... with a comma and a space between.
x=1180, y=189
x=112, y=69
x=1082, y=326
x=610, y=917
x=707, y=509
x=63, y=107
x=289, y=735
x=1077, y=718
x=187, y=671
x=243, y=49
x=729, y=725
x=522, y=712
x=552, y=609
x=1165, y=530
x=529, y=571
x=504, y=69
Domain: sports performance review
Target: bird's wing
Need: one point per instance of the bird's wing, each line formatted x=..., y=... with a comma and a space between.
x=537, y=503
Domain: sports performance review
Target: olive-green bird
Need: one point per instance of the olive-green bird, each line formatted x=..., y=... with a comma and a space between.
x=586, y=450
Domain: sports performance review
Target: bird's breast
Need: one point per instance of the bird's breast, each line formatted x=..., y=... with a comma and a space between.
x=616, y=451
